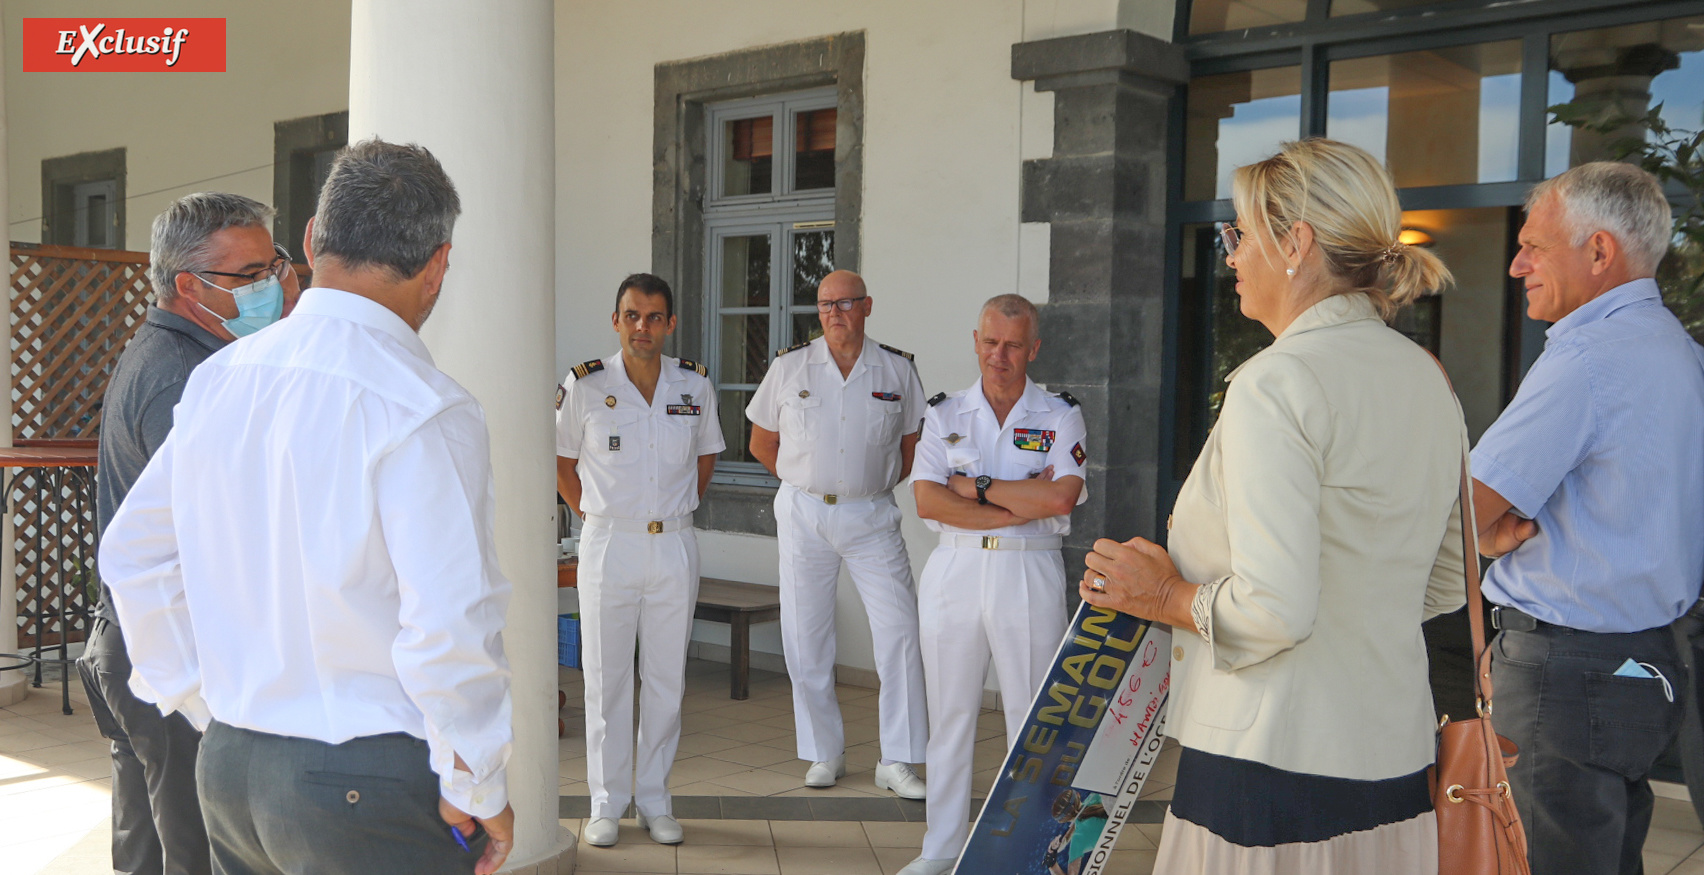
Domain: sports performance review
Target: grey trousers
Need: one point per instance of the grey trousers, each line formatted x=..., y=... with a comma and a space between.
x=277, y=805
x=156, y=817
x=1588, y=739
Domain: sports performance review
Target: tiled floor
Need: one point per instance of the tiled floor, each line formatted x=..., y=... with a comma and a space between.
x=54, y=793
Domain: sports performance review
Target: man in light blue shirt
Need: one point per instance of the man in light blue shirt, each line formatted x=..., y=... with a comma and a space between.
x=1589, y=490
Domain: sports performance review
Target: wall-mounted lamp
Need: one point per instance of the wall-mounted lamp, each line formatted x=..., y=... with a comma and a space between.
x=1414, y=237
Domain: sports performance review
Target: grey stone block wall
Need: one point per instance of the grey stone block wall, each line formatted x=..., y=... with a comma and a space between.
x=1104, y=193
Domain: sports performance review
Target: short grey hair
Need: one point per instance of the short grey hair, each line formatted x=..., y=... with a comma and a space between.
x=182, y=240
x=1013, y=307
x=1621, y=199
x=385, y=205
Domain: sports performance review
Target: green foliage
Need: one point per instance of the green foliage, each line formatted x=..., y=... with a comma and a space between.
x=1675, y=157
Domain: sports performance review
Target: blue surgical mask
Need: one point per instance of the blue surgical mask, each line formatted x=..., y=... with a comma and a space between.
x=259, y=304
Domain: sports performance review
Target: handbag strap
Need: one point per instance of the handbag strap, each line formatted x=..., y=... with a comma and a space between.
x=1470, y=571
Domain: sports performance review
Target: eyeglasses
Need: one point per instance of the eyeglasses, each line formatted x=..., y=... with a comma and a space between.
x=1230, y=235
x=276, y=268
x=844, y=305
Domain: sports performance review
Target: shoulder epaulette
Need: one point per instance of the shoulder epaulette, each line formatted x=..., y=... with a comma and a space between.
x=939, y=397
x=1066, y=397
x=782, y=352
x=899, y=352
x=690, y=365
x=586, y=369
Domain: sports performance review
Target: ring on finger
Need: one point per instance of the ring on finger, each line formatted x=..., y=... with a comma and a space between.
x=1098, y=584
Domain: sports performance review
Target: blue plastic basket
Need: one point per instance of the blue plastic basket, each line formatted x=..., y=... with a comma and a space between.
x=568, y=640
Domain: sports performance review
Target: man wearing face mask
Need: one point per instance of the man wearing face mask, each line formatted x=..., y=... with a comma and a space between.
x=307, y=569
x=217, y=276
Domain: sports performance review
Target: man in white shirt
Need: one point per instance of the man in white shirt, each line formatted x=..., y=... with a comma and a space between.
x=837, y=419
x=636, y=441
x=999, y=470
x=306, y=567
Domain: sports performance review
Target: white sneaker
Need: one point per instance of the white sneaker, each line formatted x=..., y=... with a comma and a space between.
x=921, y=866
x=602, y=831
x=825, y=774
x=901, y=779
x=665, y=830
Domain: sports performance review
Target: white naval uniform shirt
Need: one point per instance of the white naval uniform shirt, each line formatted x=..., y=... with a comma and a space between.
x=310, y=552
x=839, y=436
x=962, y=436
x=638, y=461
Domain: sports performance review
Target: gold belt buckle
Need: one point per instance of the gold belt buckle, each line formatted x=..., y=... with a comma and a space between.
x=830, y=499
x=990, y=542
x=654, y=527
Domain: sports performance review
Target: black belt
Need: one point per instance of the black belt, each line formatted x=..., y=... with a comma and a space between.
x=1514, y=620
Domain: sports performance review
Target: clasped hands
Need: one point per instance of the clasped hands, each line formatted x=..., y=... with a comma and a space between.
x=1137, y=577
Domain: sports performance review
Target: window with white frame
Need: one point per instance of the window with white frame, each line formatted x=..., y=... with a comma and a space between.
x=769, y=241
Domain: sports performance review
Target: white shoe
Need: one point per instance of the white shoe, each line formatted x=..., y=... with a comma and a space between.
x=665, y=830
x=825, y=774
x=921, y=866
x=901, y=779
x=602, y=831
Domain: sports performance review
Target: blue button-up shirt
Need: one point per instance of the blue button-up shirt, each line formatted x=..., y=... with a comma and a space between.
x=1604, y=447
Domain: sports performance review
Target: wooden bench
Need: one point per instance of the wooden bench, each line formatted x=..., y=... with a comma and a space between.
x=720, y=601
x=739, y=605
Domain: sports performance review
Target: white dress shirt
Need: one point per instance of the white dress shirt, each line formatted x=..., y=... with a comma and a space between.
x=839, y=436
x=962, y=436
x=310, y=552
x=638, y=460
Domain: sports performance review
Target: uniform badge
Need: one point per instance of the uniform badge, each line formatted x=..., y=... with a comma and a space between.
x=804, y=393
x=1081, y=457
x=954, y=438
x=609, y=400
x=885, y=396
x=615, y=443
x=1037, y=439
x=561, y=393
x=684, y=410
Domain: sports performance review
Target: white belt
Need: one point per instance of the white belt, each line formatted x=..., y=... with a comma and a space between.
x=1001, y=542
x=650, y=527
x=831, y=498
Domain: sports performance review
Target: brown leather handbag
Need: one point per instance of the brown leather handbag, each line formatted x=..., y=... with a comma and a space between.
x=1479, y=830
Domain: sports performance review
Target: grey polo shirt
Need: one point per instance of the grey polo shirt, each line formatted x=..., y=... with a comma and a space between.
x=136, y=413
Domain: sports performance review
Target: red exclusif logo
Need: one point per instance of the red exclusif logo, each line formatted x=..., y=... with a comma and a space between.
x=124, y=45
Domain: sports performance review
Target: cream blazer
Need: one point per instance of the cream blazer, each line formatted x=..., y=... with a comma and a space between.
x=1323, y=518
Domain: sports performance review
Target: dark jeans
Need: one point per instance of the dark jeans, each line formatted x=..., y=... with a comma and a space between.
x=156, y=817
x=1587, y=738
x=277, y=805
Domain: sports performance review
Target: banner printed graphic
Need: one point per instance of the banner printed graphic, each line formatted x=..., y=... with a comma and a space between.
x=1093, y=733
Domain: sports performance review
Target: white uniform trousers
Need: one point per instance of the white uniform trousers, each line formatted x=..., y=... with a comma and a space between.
x=974, y=604
x=815, y=538
x=639, y=588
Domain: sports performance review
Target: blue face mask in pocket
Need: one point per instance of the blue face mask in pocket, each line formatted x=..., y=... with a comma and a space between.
x=259, y=304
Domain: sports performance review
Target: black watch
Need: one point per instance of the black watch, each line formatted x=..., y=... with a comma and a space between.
x=982, y=484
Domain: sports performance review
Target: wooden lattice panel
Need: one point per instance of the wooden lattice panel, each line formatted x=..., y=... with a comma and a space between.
x=73, y=310
x=53, y=518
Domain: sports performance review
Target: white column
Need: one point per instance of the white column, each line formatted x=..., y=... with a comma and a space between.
x=12, y=683
x=474, y=83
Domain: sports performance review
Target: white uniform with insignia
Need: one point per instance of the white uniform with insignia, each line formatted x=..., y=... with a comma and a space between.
x=839, y=461
x=997, y=594
x=638, y=469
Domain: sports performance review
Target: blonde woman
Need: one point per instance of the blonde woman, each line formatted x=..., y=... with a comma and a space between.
x=1317, y=530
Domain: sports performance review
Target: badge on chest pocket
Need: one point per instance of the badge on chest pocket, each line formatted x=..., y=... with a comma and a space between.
x=615, y=443
x=1037, y=439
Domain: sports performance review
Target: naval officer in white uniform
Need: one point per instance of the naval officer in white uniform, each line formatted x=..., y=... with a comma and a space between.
x=999, y=469
x=837, y=420
x=636, y=441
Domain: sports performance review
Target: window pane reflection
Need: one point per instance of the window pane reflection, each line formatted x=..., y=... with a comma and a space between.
x=745, y=347
x=1215, y=16
x=1442, y=117
x=749, y=145
x=1357, y=7
x=736, y=429
x=806, y=326
x=1624, y=71
x=745, y=271
x=813, y=259
x=813, y=149
x=1236, y=119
